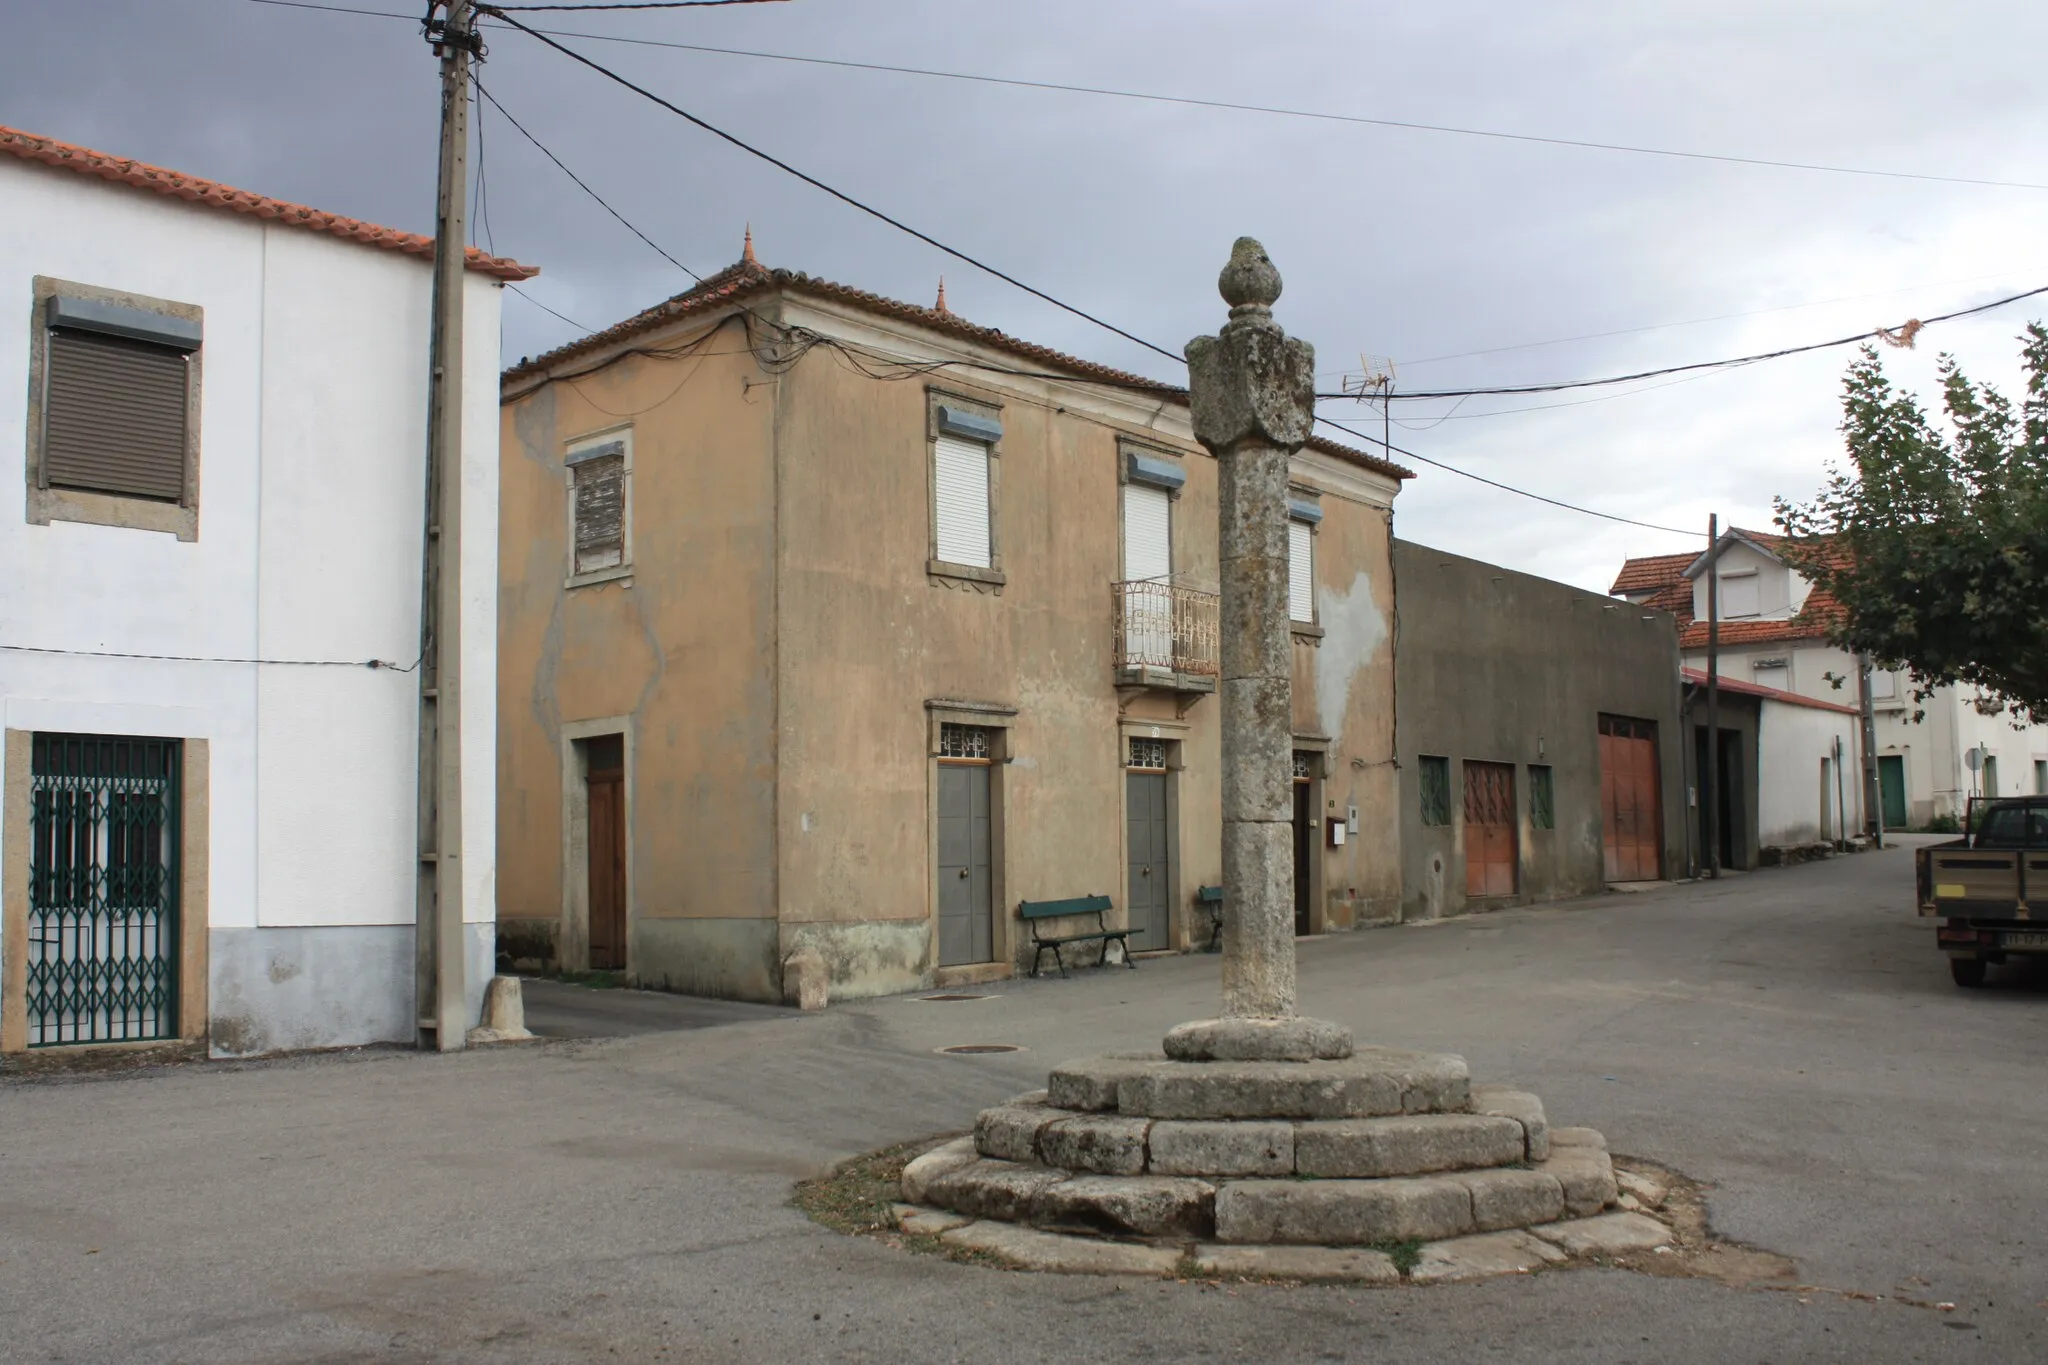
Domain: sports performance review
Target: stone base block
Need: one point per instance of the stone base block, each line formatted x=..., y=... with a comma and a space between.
x=1608, y=1234
x=1651, y=1194
x=1586, y=1175
x=991, y=1189
x=1009, y=1132
x=942, y=1160
x=1127, y=1206
x=1342, y=1212
x=1577, y=1137
x=1106, y=1144
x=1311, y=1265
x=1520, y=1106
x=1214, y=1148
x=1416, y=1144
x=1512, y=1198
x=1372, y=1082
x=1090, y=1083
x=1031, y=1249
x=1476, y=1258
x=1259, y=1040
x=921, y=1221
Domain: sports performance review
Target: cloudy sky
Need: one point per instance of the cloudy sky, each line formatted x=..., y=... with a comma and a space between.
x=1470, y=261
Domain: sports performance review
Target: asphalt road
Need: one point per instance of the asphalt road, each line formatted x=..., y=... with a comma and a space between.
x=1788, y=1036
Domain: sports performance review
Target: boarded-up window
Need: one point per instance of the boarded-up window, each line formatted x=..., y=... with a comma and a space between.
x=1301, y=578
x=960, y=502
x=115, y=416
x=597, y=478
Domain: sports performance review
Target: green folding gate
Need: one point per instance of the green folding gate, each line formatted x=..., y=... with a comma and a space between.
x=103, y=890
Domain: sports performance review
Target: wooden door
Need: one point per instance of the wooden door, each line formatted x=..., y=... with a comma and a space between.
x=1631, y=828
x=1489, y=829
x=966, y=915
x=1304, y=849
x=604, y=785
x=1891, y=781
x=1149, y=878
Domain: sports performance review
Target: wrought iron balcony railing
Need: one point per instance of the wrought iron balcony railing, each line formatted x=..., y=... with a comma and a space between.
x=1165, y=629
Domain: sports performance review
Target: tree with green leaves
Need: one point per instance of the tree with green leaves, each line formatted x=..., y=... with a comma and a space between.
x=1935, y=542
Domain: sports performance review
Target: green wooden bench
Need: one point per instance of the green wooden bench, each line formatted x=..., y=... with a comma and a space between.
x=1210, y=898
x=1098, y=906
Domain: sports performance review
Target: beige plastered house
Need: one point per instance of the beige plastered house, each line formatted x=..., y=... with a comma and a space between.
x=833, y=622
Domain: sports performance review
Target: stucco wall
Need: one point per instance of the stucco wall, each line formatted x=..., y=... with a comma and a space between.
x=1504, y=667
x=680, y=653
x=1793, y=740
x=312, y=448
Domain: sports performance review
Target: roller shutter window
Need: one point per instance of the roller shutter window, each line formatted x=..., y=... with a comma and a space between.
x=115, y=416
x=1301, y=579
x=1148, y=521
x=960, y=502
x=600, y=492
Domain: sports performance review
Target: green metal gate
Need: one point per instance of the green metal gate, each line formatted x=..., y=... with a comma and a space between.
x=103, y=889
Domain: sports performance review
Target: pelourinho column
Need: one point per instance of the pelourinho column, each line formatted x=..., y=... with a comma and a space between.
x=1252, y=392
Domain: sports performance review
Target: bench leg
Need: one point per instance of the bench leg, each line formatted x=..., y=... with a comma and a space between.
x=1059, y=956
x=1038, y=959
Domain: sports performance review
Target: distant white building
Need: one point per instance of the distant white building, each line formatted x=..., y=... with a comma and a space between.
x=215, y=404
x=1773, y=634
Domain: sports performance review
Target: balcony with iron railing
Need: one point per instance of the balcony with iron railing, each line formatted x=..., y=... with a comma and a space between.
x=1165, y=635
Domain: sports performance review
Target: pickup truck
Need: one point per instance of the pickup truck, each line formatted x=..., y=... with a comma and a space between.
x=1983, y=885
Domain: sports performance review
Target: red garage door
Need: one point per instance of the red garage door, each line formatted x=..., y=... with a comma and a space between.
x=1630, y=829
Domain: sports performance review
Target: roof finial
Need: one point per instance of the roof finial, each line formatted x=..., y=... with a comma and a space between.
x=747, y=253
x=940, y=306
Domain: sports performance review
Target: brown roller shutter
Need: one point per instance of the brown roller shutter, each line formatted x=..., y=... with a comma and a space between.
x=114, y=416
x=600, y=513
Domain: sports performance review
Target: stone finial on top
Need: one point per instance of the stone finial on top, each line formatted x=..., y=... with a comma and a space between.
x=1251, y=383
x=940, y=306
x=747, y=250
x=1250, y=281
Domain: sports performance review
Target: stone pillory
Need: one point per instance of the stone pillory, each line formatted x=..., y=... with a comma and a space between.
x=1260, y=1131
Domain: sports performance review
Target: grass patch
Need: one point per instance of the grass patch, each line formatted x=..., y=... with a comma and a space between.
x=1405, y=1255
x=855, y=1196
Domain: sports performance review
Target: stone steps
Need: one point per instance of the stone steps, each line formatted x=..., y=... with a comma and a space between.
x=1369, y=1083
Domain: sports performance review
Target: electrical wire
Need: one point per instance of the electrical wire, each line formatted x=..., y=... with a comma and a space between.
x=582, y=186
x=1408, y=125
x=372, y=664
x=840, y=195
x=646, y=4
x=587, y=331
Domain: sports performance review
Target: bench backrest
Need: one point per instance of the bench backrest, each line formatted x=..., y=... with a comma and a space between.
x=1210, y=894
x=1075, y=905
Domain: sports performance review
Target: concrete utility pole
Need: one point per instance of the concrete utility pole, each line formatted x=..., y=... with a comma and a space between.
x=1873, y=797
x=442, y=958
x=1710, y=771
x=1251, y=390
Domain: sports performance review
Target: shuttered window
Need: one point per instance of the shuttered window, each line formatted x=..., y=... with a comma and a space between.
x=598, y=490
x=960, y=501
x=115, y=416
x=1148, y=530
x=1301, y=578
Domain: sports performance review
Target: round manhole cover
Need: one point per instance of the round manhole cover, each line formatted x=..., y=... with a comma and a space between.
x=948, y=999
x=978, y=1049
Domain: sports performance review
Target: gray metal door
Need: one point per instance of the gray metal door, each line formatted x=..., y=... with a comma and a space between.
x=966, y=916
x=1151, y=879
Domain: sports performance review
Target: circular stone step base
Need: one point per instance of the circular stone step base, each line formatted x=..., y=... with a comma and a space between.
x=1371, y=1082
x=1259, y=1040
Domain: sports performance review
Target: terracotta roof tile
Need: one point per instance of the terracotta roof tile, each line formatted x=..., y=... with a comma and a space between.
x=177, y=185
x=747, y=278
x=1651, y=571
x=1663, y=577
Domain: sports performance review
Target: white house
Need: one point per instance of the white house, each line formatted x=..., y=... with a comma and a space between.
x=215, y=404
x=1773, y=634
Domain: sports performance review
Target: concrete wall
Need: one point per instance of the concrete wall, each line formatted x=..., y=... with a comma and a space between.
x=1740, y=719
x=786, y=656
x=1503, y=667
x=312, y=448
x=1791, y=806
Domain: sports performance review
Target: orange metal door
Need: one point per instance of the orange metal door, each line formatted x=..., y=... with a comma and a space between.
x=1489, y=829
x=1630, y=824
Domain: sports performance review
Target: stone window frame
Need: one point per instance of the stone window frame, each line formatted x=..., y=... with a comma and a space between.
x=974, y=576
x=621, y=572
x=47, y=505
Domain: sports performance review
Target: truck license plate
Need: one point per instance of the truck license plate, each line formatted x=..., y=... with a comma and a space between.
x=2038, y=941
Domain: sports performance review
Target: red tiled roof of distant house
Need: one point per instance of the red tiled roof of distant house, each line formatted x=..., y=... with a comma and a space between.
x=1698, y=678
x=747, y=277
x=141, y=175
x=1663, y=578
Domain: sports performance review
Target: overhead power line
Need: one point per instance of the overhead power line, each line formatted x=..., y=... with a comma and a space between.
x=840, y=195
x=1191, y=101
x=372, y=664
x=645, y=4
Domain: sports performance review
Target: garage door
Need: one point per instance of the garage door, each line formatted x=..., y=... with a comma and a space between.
x=1630, y=829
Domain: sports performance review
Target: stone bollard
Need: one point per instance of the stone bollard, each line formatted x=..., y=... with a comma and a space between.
x=805, y=983
x=504, y=1014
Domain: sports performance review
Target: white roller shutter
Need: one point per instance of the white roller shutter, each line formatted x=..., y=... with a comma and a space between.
x=1148, y=521
x=960, y=479
x=1301, y=578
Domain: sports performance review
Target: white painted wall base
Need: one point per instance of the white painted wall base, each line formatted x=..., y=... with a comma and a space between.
x=275, y=990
